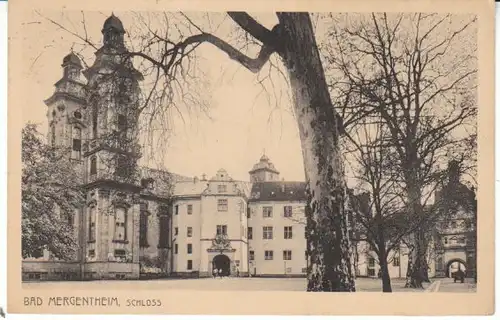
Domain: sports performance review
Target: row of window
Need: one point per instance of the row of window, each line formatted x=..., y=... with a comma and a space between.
x=222, y=206
x=189, y=248
x=268, y=232
x=269, y=255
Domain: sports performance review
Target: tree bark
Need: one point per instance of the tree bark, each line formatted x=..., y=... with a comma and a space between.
x=329, y=251
x=418, y=270
x=386, y=278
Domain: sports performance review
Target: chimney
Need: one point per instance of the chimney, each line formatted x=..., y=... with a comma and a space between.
x=203, y=177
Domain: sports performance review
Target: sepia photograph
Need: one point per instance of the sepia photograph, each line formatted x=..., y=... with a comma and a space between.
x=243, y=152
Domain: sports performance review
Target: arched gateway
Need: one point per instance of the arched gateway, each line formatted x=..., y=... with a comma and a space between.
x=455, y=264
x=222, y=262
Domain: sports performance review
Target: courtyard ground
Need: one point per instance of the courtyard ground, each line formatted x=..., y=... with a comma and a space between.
x=447, y=285
x=229, y=284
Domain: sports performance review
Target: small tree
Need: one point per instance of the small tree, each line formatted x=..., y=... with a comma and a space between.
x=50, y=196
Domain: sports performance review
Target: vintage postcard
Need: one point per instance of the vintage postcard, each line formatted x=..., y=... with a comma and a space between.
x=266, y=157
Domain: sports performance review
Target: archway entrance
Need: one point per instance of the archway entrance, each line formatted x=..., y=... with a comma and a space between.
x=222, y=262
x=454, y=265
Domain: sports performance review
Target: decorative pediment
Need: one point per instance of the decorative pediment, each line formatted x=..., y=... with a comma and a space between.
x=221, y=244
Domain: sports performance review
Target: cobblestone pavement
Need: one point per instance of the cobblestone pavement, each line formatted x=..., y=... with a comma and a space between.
x=229, y=284
x=447, y=285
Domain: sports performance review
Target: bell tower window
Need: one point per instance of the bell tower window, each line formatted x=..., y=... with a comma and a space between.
x=93, y=166
x=94, y=122
x=77, y=143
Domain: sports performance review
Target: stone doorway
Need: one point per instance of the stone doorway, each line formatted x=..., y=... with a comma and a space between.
x=222, y=262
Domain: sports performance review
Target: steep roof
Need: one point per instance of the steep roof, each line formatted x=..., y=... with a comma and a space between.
x=278, y=191
x=72, y=58
x=113, y=22
x=264, y=164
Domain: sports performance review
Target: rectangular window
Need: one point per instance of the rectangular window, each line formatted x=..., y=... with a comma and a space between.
x=91, y=253
x=268, y=255
x=176, y=248
x=143, y=229
x=250, y=233
x=93, y=166
x=176, y=209
x=190, y=209
x=287, y=254
x=123, y=166
x=248, y=212
x=267, y=212
x=221, y=188
x=121, y=224
x=122, y=123
x=306, y=255
x=190, y=265
x=120, y=253
x=92, y=220
x=189, y=232
x=395, y=262
x=251, y=255
x=267, y=233
x=222, y=205
x=287, y=211
x=176, y=231
x=77, y=145
x=288, y=232
x=371, y=272
x=371, y=262
x=189, y=248
x=222, y=230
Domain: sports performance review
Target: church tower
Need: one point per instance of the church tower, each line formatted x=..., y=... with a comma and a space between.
x=65, y=112
x=263, y=171
x=111, y=156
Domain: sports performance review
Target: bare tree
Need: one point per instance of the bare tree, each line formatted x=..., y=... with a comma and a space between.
x=380, y=218
x=166, y=55
x=417, y=74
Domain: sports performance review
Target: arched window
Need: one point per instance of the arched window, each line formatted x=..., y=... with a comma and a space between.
x=120, y=224
x=77, y=143
x=93, y=166
x=92, y=222
x=95, y=122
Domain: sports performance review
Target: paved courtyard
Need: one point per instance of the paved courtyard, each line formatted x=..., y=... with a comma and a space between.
x=229, y=284
x=447, y=285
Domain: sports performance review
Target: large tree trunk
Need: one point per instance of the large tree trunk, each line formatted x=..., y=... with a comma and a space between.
x=386, y=278
x=330, y=265
x=418, y=271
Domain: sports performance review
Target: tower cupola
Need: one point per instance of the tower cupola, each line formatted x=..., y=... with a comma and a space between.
x=113, y=32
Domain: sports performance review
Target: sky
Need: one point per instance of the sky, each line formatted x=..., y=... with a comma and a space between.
x=243, y=122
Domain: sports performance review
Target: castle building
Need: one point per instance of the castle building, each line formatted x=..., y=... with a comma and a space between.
x=141, y=223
